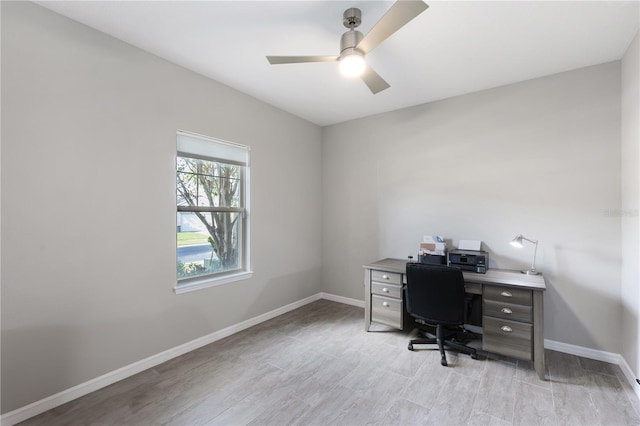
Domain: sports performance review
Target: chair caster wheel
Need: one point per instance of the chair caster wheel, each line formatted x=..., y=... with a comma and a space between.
x=443, y=362
x=410, y=347
x=474, y=356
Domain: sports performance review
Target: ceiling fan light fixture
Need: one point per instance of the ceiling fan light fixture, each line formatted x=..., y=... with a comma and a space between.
x=354, y=45
x=352, y=64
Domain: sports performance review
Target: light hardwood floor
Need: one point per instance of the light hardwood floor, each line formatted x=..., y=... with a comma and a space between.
x=317, y=366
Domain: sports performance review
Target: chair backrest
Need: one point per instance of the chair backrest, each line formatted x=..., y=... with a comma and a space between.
x=435, y=294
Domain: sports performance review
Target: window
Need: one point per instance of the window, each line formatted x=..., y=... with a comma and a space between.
x=212, y=218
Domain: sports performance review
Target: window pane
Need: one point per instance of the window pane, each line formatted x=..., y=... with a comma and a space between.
x=206, y=183
x=208, y=243
x=186, y=180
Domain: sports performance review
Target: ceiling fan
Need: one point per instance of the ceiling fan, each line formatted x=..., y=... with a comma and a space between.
x=354, y=46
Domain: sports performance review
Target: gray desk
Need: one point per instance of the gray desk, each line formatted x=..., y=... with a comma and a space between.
x=512, y=309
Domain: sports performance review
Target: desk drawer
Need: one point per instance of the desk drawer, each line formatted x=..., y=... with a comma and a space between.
x=386, y=310
x=386, y=277
x=508, y=338
x=389, y=290
x=510, y=295
x=507, y=311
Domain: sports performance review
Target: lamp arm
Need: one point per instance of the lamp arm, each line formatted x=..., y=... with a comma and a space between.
x=535, y=250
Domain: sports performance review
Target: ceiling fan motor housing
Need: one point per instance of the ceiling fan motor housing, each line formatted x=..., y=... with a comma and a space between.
x=349, y=41
x=352, y=18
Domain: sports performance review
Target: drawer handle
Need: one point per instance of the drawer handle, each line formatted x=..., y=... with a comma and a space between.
x=506, y=329
x=385, y=304
x=506, y=311
x=506, y=294
x=385, y=277
x=386, y=290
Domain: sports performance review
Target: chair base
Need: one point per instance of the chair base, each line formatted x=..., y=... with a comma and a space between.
x=441, y=341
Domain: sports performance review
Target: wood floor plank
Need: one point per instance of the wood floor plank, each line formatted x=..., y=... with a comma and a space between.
x=483, y=419
x=632, y=398
x=497, y=391
x=455, y=402
x=573, y=404
x=334, y=403
x=425, y=386
x=285, y=412
x=565, y=369
x=205, y=405
x=375, y=399
x=533, y=405
x=313, y=385
x=526, y=373
x=610, y=401
x=598, y=366
x=404, y=412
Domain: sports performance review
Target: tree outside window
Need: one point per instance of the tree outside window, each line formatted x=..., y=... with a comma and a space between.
x=210, y=195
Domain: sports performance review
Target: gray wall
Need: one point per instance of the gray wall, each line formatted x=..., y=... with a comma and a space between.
x=541, y=158
x=88, y=213
x=630, y=205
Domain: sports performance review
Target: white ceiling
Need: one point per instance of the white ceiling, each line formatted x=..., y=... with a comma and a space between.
x=453, y=48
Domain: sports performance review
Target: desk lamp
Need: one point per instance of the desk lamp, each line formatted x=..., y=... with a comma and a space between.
x=517, y=242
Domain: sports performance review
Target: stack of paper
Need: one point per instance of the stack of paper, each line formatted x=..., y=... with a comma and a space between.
x=470, y=245
x=433, y=245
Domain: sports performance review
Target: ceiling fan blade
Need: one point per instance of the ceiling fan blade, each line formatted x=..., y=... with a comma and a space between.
x=396, y=17
x=274, y=60
x=374, y=82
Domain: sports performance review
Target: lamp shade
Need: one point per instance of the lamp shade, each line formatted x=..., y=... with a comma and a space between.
x=517, y=241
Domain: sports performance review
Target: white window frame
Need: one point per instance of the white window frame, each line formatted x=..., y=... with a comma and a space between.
x=195, y=145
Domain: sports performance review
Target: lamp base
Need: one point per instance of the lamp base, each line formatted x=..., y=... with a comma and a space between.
x=530, y=272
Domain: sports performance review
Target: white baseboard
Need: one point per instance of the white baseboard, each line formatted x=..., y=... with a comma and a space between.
x=13, y=417
x=340, y=299
x=596, y=354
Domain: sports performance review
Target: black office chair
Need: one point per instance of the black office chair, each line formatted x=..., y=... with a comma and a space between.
x=435, y=295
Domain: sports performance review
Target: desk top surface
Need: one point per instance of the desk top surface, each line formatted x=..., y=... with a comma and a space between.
x=493, y=276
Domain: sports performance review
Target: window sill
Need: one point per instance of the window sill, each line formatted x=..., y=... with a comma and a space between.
x=211, y=282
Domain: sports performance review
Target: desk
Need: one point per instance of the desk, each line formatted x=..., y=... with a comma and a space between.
x=512, y=309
